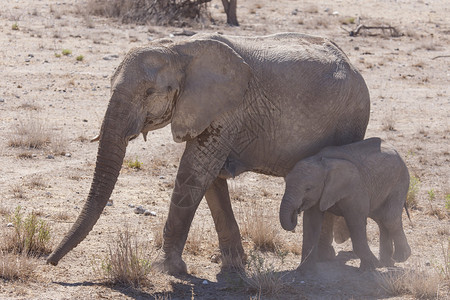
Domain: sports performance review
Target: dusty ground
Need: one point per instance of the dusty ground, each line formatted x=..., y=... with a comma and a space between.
x=410, y=92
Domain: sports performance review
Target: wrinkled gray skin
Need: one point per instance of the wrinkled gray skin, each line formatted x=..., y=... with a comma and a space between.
x=241, y=104
x=356, y=181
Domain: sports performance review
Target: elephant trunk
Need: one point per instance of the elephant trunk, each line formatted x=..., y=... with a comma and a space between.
x=288, y=212
x=111, y=153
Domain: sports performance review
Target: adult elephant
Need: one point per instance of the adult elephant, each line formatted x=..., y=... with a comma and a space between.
x=241, y=104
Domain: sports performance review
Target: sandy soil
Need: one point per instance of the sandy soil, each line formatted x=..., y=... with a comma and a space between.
x=408, y=78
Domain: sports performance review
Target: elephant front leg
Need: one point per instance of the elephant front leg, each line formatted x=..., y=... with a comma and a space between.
x=386, y=247
x=325, y=249
x=218, y=198
x=199, y=167
x=312, y=225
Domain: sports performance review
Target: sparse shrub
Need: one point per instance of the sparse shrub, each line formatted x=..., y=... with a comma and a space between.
x=62, y=216
x=18, y=191
x=58, y=55
x=420, y=283
x=30, y=134
x=37, y=182
x=31, y=235
x=80, y=58
x=158, y=234
x=260, y=230
x=411, y=200
x=447, y=201
x=163, y=12
x=444, y=268
x=126, y=262
x=347, y=20
x=66, y=52
x=15, y=267
x=194, y=241
x=15, y=26
x=261, y=276
x=389, y=123
x=134, y=164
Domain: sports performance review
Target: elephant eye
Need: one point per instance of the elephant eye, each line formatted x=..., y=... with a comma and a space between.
x=149, y=91
x=169, y=88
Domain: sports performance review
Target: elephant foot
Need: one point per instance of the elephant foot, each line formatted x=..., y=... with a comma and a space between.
x=386, y=262
x=368, y=265
x=326, y=252
x=233, y=260
x=307, y=267
x=402, y=255
x=174, y=266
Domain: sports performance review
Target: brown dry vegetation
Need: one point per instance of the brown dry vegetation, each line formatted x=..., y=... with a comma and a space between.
x=51, y=105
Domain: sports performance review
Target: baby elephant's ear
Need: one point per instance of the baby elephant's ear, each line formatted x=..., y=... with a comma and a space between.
x=342, y=180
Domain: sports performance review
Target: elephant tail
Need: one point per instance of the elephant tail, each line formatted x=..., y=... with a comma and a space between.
x=407, y=212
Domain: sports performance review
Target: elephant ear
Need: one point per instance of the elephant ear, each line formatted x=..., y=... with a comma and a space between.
x=342, y=180
x=216, y=80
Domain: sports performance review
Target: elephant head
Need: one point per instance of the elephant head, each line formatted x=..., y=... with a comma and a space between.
x=187, y=84
x=316, y=180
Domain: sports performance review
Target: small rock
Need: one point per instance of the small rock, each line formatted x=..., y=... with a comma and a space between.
x=30, y=55
x=294, y=12
x=302, y=282
x=2, y=100
x=131, y=205
x=335, y=13
x=109, y=203
x=50, y=156
x=34, y=155
x=68, y=155
x=205, y=282
x=139, y=210
x=146, y=212
x=27, y=60
x=162, y=177
x=85, y=121
x=9, y=225
x=153, y=213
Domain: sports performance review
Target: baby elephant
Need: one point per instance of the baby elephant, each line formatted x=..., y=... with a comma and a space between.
x=356, y=181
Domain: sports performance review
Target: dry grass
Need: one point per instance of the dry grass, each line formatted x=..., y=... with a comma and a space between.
x=259, y=228
x=411, y=198
x=194, y=240
x=161, y=12
x=158, y=238
x=37, y=181
x=29, y=235
x=127, y=261
x=15, y=267
x=420, y=283
x=31, y=133
x=18, y=191
x=389, y=122
x=62, y=216
x=261, y=276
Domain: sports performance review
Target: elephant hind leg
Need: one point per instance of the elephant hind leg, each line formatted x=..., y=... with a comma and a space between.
x=218, y=199
x=386, y=247
x=402, y=249
x=357, y=227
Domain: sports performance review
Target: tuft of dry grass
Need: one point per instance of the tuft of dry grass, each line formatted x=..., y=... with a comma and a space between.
x=15, y=267
x=37, y=181
x=420, y=283
x=127, y=261
x=18, y=191
x=29, y=236
x=411, y=198
x=30, y=134
x=261, y=276
x=194, y=240
x=260, y=229
x=62, y=216
x=389, y=122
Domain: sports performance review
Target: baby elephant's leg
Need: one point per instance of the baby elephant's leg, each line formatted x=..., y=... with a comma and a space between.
x=312, y=224
x=386, y=247
x=402, y=249
x=357, y=227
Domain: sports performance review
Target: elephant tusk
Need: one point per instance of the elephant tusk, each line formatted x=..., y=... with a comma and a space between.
x=96, y=138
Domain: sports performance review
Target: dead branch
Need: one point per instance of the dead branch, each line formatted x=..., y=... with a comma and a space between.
x=440, y=56
x=394, y=32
